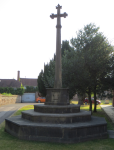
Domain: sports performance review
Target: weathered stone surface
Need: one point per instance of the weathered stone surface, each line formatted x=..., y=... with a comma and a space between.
x=58, y=64
x=4, y=100
x=57, y=96
x=57, y=108
x=62, y=133
x=82, y=116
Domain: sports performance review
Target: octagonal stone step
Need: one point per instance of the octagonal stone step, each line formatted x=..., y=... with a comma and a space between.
x=61, y=133
x=57, y=109
x=31, y=115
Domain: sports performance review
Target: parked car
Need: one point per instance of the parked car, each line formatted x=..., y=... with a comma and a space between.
x=40, y=100
x=92, y=99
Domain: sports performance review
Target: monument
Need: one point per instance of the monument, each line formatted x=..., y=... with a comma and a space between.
x=58, y=95
x=57, y=120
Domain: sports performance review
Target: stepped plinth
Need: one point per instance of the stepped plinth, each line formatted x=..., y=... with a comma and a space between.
x=56, y=127
x=60, y=109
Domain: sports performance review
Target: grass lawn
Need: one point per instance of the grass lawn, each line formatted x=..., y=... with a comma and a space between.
x=8, y=142
x=102, y=102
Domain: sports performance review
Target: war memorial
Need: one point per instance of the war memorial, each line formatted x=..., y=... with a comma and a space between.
x=57, y=120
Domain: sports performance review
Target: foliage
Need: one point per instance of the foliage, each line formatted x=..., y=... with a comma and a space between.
x=31, y=89
x=48, y=74
x=17, y=91
x=22, y=87
x=65, y=47
x=95, y=53
x=41, y=85
x=46, y=77
x=84, y=64
x=7, y=94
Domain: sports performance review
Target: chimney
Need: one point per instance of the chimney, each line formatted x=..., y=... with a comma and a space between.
x=18, y=75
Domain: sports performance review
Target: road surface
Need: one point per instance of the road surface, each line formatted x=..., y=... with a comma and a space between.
x=7, y=110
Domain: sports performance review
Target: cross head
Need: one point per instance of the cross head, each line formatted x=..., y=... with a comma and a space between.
x=58, y=7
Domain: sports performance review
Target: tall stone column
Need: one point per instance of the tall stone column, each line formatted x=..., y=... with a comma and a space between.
x=58, y=95
x=58, y=64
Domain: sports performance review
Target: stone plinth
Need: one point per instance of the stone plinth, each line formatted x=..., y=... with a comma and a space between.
x=48, y=125
x=61, y=133
x=56, y=96
x=57, y=109
x=33, y=116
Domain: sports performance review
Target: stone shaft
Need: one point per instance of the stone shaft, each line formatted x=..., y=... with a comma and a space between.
x=58, y=64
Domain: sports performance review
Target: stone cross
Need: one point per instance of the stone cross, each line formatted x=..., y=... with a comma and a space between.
x=58, y=65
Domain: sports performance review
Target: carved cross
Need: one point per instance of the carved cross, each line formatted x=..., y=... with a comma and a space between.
x=58, y=7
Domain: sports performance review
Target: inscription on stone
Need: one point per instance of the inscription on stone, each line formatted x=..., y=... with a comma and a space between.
x=55, y=96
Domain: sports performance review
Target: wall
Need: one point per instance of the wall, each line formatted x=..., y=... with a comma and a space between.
x=4, y=100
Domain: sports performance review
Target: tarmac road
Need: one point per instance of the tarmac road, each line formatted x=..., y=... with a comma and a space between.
x=7, y=110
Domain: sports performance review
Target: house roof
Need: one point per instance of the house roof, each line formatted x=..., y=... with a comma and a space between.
x=28, y=81
x=10, y=83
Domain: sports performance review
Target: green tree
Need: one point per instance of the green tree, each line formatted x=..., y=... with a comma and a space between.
x=19, y=91
x=96, y=52
x=65, y=46
x=49, y=74
x=46, y=77
x=41, y=85
x=31, y=89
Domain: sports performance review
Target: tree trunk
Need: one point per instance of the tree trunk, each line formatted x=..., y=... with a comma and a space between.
x=113, y=98
x=81, y=98
x=90, y=103
x=95, y=99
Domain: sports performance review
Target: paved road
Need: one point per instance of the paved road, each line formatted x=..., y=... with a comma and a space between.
x=7, y=110
x=109, y=110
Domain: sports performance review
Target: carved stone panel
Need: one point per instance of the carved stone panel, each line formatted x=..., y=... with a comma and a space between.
x=55, y=96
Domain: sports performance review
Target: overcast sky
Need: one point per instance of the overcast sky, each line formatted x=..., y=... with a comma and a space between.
x=28, y=34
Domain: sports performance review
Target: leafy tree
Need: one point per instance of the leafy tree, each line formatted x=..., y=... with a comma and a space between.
x=18, y=91
x=41, y=85
x=49, y=74
x=46, y=77
x=96, y=53
x=31, y=89
x=65, y=46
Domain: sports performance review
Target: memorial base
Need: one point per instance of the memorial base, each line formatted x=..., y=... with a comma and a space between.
x=57, y=96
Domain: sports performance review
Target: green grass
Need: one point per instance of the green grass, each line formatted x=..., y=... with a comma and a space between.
x=102, y=102
x=99, y=113
x=23, y=109
x=8, y=142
